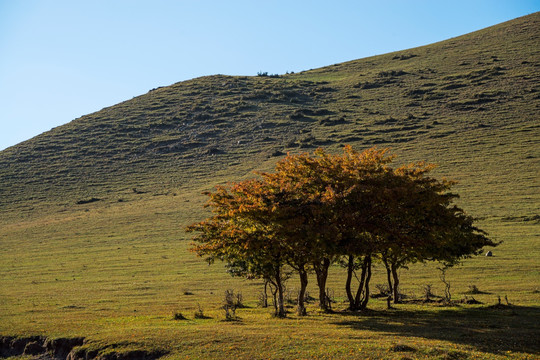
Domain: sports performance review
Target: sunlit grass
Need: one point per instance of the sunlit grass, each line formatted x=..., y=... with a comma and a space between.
x=116, y=270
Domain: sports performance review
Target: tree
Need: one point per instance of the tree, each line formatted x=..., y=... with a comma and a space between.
x=241, y=234
x=353, y=182
x=420, y=223
x=302, y=181
x=259, y=226
x=314, y=210
x=331, y=198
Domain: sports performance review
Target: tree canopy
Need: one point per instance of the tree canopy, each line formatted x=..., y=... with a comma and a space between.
x=316, y=210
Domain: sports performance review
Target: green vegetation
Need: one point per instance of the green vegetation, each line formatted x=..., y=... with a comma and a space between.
x=117, y=270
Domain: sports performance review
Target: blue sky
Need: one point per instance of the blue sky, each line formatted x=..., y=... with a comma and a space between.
x=63, y=59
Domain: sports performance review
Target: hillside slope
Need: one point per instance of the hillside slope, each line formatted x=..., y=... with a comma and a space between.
x=470, y=104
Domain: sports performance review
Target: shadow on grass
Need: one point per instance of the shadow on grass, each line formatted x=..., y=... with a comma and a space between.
x=492, y=329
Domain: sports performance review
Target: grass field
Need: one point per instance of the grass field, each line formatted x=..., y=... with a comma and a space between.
x=115, y=270
x=116, y=274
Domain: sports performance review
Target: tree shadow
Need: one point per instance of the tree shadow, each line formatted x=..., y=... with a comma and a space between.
x=493, y=329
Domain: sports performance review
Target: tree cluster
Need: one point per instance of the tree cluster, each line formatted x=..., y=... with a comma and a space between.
x=322, y=209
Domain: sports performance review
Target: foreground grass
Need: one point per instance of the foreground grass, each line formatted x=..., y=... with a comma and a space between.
x=116, y=273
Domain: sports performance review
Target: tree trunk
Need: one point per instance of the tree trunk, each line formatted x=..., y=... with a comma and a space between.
x=321, y=272
x=388, y=277
x=358, y=298
x=364, y=303
x=350, y=270
x=447, y=295
x=396, y=284
x=264, y=299
x=279, y=285
x=301, y=310
x=273, y=291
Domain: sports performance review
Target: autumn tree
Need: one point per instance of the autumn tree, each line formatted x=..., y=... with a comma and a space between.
x=349, y=196
x=302, y=181
x=241, y=234
x=317, y=209
x=332, y=198
x=420, y=223
x=258, y=227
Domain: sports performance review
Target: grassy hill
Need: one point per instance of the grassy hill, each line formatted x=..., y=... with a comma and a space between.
x=91, y=237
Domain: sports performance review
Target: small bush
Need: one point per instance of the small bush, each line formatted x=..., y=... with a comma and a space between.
x=240, y=300
x=427, y=292
x=402, y=348
x=288, y=297
x=383, y=289
x=87, y=201
x=199, y=314
x=263, y=300
x=291, y=143
x=232, y=302
x=307, y=297
x=265, y=73
x=330, y=296
x=473, y=289
x=469, y=300
x=178, y=316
